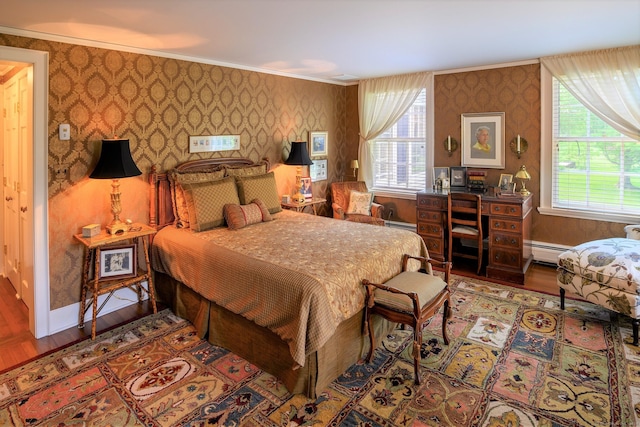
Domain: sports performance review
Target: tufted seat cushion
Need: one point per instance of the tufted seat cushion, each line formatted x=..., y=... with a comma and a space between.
x=425, y=285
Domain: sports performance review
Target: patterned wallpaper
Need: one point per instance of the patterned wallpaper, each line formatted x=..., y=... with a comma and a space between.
x=516, y=92
x=157, y=103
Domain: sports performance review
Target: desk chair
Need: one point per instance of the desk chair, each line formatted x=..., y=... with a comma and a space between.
x=410, y=298
x=464, y=221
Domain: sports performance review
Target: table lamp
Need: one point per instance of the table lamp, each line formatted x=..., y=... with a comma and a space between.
x=115, y=162
x=299, y=156
x=523, y=176
x=354, y=166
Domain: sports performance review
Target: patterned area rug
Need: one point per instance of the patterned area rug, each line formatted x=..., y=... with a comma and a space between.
x=514, y=360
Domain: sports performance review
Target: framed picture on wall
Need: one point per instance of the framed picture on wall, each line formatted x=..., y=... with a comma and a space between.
x=318, y=170
x=483, y=140
x=319, y=143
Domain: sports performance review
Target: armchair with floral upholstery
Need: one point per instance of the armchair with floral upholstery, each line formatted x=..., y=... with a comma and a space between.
x=341, y=196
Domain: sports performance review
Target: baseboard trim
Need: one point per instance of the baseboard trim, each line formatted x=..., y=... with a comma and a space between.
x=67, y=317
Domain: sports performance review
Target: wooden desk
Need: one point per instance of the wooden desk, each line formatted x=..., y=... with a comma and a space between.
x=509, y=231
x=93, y=246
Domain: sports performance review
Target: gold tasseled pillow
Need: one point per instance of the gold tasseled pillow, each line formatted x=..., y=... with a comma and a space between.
x=177, y=179
x=261, y=187
x=206, y=200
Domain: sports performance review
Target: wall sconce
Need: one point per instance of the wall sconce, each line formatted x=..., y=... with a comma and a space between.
x=450, y=145
x=354, y=166
x=115, y=162
x=523, y=176
x=519, y=145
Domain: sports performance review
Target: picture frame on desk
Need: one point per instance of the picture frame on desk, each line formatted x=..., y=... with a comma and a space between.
x=483, y=140
x=118, y=262
x=306, y=189
x=458, y=177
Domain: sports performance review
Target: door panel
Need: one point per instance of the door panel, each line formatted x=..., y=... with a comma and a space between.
x=25, y=175
x=10, y=182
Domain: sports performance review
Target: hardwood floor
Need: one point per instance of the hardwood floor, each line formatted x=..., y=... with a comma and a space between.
x=17, y=344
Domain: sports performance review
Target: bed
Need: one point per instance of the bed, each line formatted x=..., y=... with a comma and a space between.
x=281, y=289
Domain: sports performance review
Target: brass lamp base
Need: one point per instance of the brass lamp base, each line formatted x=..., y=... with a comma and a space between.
x=117, y=228
x=298, y=198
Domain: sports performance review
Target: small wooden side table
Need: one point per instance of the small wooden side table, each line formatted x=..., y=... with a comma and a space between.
x=139, y=235
x=299, y=207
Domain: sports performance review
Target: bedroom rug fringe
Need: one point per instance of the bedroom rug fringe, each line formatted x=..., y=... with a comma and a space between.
x=514, y=359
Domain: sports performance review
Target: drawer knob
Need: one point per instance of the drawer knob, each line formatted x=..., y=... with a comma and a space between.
x=513, y=226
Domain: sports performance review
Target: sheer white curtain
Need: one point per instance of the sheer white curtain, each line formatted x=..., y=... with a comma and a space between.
x=607, y=82
x=381, y=102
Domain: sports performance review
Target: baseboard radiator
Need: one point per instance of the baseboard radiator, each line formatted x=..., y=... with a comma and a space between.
x=545, y=253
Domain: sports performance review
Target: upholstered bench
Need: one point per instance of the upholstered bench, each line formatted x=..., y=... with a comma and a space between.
x=605, y=272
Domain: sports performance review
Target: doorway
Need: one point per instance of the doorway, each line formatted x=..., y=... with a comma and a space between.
x=32, y=208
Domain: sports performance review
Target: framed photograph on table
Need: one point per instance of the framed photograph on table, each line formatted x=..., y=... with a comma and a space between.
x=483, y=140
x=319, y=143
x=306, y=190
x=440, y=172
x=505, y=181
x=458, y=177
x=118, y=262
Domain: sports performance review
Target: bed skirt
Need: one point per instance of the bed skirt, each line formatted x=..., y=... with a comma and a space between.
x=265, y=349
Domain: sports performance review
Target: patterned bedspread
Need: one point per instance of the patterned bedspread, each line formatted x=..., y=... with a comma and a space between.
x=298, y=275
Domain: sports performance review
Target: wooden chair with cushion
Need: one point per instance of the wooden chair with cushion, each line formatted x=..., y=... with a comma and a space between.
x=341, y=197
x=410, y=298
x=464, y=221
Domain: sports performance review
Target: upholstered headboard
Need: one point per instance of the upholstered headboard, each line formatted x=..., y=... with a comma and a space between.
x=161, y=209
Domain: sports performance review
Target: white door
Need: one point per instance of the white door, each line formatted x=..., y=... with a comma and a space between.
x=25, y=196
x=10, y=183
x=17, y=181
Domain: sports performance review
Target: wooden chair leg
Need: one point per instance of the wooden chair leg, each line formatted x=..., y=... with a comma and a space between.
x=635, y=323
x=562, y=298
x=371, y=337
x=417, y=345
x=446, y=315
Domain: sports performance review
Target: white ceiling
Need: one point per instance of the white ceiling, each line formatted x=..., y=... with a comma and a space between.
x=330, y=40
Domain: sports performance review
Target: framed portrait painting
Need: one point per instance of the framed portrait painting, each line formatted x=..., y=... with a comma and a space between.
x=319, y=143
x=483, y=140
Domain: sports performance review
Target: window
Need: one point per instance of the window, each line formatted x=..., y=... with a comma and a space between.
x=595, y=168
x=399, y=154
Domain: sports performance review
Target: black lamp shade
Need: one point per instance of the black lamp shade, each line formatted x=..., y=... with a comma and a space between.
x=115, y=161
x=299, y=156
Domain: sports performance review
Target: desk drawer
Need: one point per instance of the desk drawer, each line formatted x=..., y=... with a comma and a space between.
x=506, y=210
x=505, y=225
x=430, y=216
x=506, y=240
x=430, y=229
x=435, y=247
x=505, y=258
x=431, y=202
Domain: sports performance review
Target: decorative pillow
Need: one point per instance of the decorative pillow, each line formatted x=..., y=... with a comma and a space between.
x=261, y=187
x=360, y=203
x=238, y=216
x=180, y=211
x=206, y=200
x=257, y=169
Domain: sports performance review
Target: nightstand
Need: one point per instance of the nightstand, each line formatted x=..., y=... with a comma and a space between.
x=115, y=266
x=299, y=207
